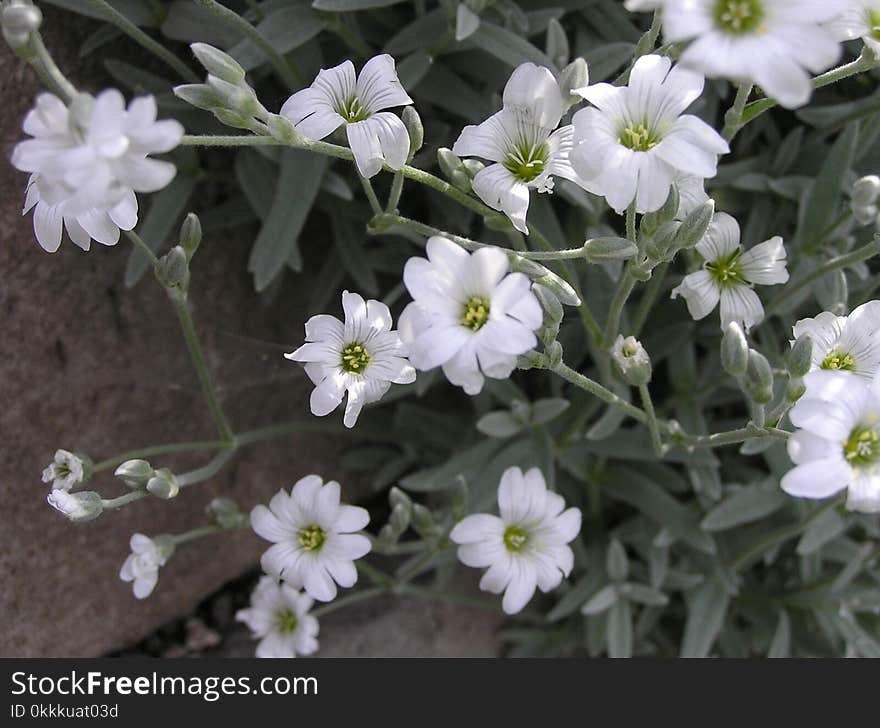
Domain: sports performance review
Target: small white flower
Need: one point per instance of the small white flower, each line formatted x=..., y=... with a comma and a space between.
x=776, y=44
x=315, y=544
x=845, y=343
x=279, y=617
x=860, y=19
x=362, y=357
x=88, y=160
x=521, y=141
x=526, y=548
x=468, y=314
x=728, y=274
x=65, y=471
x=337, y=98
x=84, y=505
x=837, y=444
x=636, y=139
x=142, y=566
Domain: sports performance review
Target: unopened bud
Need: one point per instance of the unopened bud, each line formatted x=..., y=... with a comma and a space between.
x=553, y=312
x=163, y=484
x=544, y=276
x=472, y=167
x=226, y=513
x=423, y=521
x=734, y=350
x=400, y=518
x=694, y=226
x=19, y=20
x=413, y=123
x=574, y=76
x=459, y=498
x=652, y=220
x=172, y=269
x=84, y=505
x=135, y=473
x=282, y=128
x=199, y=95
x=800, y=359
x=632, y=360
x=190, y=234
x=449, y=162
x=396, y=497
x=864, y=214
x=218, y=63
x=758, y=382
x=234, y=97
x=866, y=190
x=557, y=43
x=599, y=250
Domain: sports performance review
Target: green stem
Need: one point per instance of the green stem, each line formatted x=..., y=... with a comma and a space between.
x=612, y=326
x=36, y=53
x=170, y=449
x=138, y=36
x=371, y=195
x=732, y=437
x=196, y=533
x=597, y=390
x=206, y=471
x=198, y=359
x=653, y=426
x=649, y=298
x=142, y=246
x=733, y=119
x=111, y=504
x=396, y=191
x=841, y=261
x=313, y=426
x=348, y=600
x=289, y=74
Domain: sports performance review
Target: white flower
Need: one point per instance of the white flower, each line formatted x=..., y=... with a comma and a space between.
x=279, y=617
x=838, y=443
x=641, y=6
x=65, y=471
x=860, y=19
x=637, y=139
x=728, y=274
x=526, y=547
x=468, y=314
x=362, y=357
x=521, y=141
x=314, y=537
x=143, y=563
x=845, y=343
x=83, y=505
x=336, y=98
x=88, y=160
x=773, y=43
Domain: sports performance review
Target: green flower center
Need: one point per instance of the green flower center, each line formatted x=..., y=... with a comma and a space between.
x=476, y=313
x=874, y=23
x=287, y=621
x=353, y=110
x=355, y=358
x=639, y=138
x=527, y=161
x=739, y=16
x=726, y=271
x=515, y=539
x=311, y=538
x=862, y=447
x=839, y=360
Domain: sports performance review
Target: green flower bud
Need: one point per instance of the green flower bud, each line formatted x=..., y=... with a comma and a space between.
x=662, y=245
x=423, y=521
x=236, y=98
x=449, y=162
x=19, y=20
x=173, y=268
x=191, y=234
x=557, y=43
x=163, y=484
x=652, y=220
x=800, y=358
x=218, y=63
x=758, y=382
x=545, y=277
x=135, y=473
x=734, y=350
x=396, y=497
x=400, y=518
x=632, y=360
x=199, y=95
x=574, y=76
x=550, y=303
x=694, y=226
x=598, y=250
x=226, y=513
x=413, y=123
x=282, y=128
x=472, y=166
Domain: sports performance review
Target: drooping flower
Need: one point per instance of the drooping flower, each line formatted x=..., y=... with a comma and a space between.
x=314, y=535
x=84, y=505
x=845, y=343
x=776, y=44
x=468, y=314
x=837, y=445
x=859, y=19
x=361, y=357
x=88, y=160
x=636, y=139
x=65, y=471
x=337, y=97
x=142, y=566
x=729, y=274
x=279, y=617
x=523, y=142
x=526, y=547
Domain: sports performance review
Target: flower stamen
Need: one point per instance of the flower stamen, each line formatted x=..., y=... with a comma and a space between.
x=862, y=447
x=515, y=539
x=739, y=16
x=527, y=161
x=726, y=271
x=311, y=538
x=355, y=358
x=287, y=621
x=476, y=313
x=839, y=361
x=639, y=138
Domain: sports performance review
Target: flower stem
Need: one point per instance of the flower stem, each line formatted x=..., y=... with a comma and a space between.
x=653, y=426
x=289, y=74
x=348, y=600
x=733, y=119
x=206, y=471
x=612, y=325
x=36, y=53
x=396, y=191
x=649, y=298
x=597, y=390
x=142, y=246
x=138, y=36
x=371, y=195
x=169, y=449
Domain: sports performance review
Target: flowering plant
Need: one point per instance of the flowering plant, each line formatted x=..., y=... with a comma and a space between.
x=633, y=473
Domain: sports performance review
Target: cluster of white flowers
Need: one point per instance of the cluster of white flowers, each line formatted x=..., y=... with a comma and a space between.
x=87, y=160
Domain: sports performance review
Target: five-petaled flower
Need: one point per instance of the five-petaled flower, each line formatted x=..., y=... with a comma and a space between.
x=468, y=314
x=142, y=566
x=361, y=357
x=337, y=97
x=860, y=19
x=279, y=617
x=65, y=471
x=88, y=160
x=523, y=142
x=728, y=274
x=636, y=139
x=845, y=343
x=527, y=546
x=315, y=537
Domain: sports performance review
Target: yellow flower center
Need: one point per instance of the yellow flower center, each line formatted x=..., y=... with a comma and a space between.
x=839, y=360
x=639, y=138
x=355, y=358
x=515, y=539
x=862, y=447
x=287, y=621
x=739, y=17
x=476, y=313
x=311, y=538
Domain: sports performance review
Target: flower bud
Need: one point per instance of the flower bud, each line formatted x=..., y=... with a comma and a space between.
x=662, y=244
x=864, y=214
x=191, y=234
x=632, y=360
x=172, y=269
x=19, y=20
x=84, y=505
x=472, y=166
x=282, y=129
x=800, y=359
x=218, y=63
x=235, y=119
x=163, y=484
x=557, y=43
x=400, y=518
x=574, y=76
x=545, y=277
x=233, y=97
x=599, y=250
x=135, y=473
x=652, y=220
x=758, y=382
x=396, y=497
x=198, y=95
x=449, y=162
x=694, y=226
x=423, y=521
x=553, y=352
x=734, y=350
x=226, y=513
x=866, y=190
x=550, y=303
x=459, y=504
x=413, y=123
